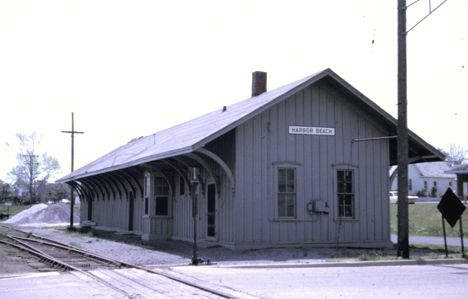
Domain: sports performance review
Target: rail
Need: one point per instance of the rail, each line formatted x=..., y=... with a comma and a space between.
x=61, y=265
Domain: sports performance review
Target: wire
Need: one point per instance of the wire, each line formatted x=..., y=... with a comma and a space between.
x=430, y=12
x=412, y=3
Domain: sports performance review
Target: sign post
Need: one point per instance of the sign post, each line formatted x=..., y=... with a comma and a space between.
x=445, y=237
x=451, y=209
x=461, y=238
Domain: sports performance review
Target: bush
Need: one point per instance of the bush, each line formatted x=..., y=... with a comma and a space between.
x=421, y=193
x=434, y=191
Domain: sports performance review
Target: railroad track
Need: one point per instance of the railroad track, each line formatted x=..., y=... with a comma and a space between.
x=132, y=281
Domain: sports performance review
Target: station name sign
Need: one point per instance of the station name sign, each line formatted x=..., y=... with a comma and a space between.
x=311, y=130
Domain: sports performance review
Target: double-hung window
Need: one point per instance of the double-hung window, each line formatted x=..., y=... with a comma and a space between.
x=286, y=192
x=345, y=193
x=161, y=191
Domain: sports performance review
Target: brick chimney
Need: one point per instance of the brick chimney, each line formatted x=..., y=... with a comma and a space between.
x=259, y=83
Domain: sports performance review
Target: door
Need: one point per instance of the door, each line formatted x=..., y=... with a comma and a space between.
x=211, y=211
x=131, y=203
x=90, y=209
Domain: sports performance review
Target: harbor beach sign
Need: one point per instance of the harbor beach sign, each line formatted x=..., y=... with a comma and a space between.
x=311, y=130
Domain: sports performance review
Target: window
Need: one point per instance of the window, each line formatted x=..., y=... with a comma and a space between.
x=435, y=184
x=147, y=186
x=181, y=185
x=286, y=192
x=162, y=208
x=425, y=186
x=345, y=193
x=450, y=184
x=410, y=184
x=161, y=190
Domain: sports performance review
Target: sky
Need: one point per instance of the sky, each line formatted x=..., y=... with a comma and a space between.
x=131, y=68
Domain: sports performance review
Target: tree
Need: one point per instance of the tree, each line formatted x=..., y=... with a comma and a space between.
x=33, y=169
x=57, y=192
x=455, y=154
x=5, y=190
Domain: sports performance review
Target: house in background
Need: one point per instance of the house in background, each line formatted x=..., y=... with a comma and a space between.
x=428, y=179
x=304, y=164
x=461, y=171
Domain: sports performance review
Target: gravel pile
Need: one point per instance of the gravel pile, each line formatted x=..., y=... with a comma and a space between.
x=41, y=215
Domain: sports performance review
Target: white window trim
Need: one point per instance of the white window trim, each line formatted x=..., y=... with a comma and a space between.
x=278, y=166
x=354, y=169
x=168, y=195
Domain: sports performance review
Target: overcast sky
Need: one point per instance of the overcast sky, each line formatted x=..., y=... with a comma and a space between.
x=131, y=68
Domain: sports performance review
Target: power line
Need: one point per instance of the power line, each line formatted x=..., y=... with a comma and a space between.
x=426, y=16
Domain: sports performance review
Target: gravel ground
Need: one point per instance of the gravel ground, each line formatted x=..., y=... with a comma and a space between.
x=131, y=249
x=12, y=264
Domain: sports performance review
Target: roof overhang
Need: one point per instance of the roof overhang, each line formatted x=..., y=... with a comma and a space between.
x=419, y=150
x=71, y=177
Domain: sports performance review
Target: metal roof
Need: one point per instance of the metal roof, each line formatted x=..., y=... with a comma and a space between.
x=194, y=134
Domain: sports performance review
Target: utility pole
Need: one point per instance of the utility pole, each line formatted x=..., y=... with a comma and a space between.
x=402, y=129
x=72, y=197
x=403, y=237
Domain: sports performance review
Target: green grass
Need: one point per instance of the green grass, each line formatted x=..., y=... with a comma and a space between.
x=426, y=220
x=14, y=209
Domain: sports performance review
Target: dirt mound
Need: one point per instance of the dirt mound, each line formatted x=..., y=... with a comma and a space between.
x=44, y=215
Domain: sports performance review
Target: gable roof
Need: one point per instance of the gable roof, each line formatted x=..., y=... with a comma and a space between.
x=434, y=170
x=194, y=134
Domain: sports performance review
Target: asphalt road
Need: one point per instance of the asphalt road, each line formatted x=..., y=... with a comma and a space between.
x=52, y=285
x=416, y=281
x=427, y=200
x=451, y=241
x=430, y=281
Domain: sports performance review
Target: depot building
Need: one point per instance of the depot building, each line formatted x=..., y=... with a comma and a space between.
x=305, y=164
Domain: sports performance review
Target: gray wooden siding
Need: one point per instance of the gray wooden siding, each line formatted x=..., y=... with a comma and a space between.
x=183, y=221
x=182, y=214
x=113, y=211
x=264, y=142
x=225, y=220
x=83, y=210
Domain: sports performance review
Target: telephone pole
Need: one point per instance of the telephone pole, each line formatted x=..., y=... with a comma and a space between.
x=402, y=129
x=72, y=197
